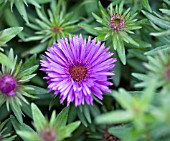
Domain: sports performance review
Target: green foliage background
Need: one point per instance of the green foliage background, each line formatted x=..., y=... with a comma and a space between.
x=138, y=107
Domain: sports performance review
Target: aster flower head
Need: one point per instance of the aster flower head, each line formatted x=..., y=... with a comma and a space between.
x=12, y=88
x=78, y=69
x=158, y=70
x=116, y=27
x=54, y=129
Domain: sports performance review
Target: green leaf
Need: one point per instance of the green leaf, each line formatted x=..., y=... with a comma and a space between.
x=128, y=39
x=29, y=136
x=16, y=109
x=140, y=76
x=5, y=60
x=43, y=1
x=33, y=2
x=103, y=11
x=39, y=120
x=18, y=126
x=29, y=62
x=27, y=71
x=118, y=116
x=121, y=131
x=156, y=20
x=8, y=34
x=81, y=117
x=52, y=119
x=72, y=114
x=67, y=130
x=121, y=51
x=117, y=71
x=87, y=113
x=163, y=33
x=121, y=96
x=89, y=28
x=164, y=48
x=37, y=90
x=62, y=118
x=100, y=20
x=36, y=49
x=146, y=5
x=26, y=78
x=165, y=11
x=21, y=9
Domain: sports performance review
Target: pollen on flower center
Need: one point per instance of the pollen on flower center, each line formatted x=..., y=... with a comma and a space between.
x=56, y=29
x=117, y=22
x=7, y=85
x=48, y=135
x=78, y=73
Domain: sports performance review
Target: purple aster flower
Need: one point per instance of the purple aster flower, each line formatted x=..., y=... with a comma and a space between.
x=78, y=69
x=7, y=85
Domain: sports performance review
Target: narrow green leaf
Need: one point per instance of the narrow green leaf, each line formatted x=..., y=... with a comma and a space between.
x=62, y=118
x=120, y=131
x=67, y=130
x=120, y=98
x=39, y=120
x=27, y=71
x=37, y=90
x=87, y=113
x=53, y=118
x=21, y=9
x=81, y=117
x=118, y=116
x=164, y=48
x=146, y=5
x=8, y=34
x=16, y=109
x=121, y=51
x=5, y=60
x=89, y=28
x=29, y=136
x=156, y=20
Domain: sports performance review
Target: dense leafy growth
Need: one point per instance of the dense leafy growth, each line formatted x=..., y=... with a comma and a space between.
x=106, y=70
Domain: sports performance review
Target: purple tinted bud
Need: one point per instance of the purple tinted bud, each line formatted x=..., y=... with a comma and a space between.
x=168, y=73
x=1, y=136
x=7, y=85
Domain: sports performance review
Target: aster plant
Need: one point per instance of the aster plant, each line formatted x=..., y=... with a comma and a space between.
x=51, y=24
x=12, y=91
x=78, y=70
x=145, y=115
x=53, y=130
x=116, y=27
x=160, y=73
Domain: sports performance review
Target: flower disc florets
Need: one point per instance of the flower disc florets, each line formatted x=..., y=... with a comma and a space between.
x=78, y=73
x=48, y=134
x=117, y=23
x=8, y=85
x=78, y=69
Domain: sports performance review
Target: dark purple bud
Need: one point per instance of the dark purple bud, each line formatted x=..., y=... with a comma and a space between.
x=7, y=85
